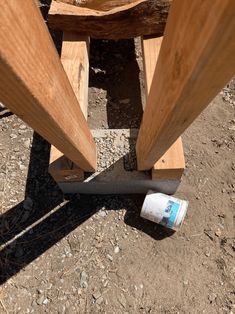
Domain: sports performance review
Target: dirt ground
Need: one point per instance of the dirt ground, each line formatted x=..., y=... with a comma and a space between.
x=94, y=254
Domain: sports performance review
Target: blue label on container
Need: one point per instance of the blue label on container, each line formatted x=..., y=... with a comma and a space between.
x=170, y=214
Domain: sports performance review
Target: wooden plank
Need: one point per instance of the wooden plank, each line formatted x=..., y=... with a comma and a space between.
x=33, y=83
x=62, y=169
x=135, y=18
x=75, y=60
x=196, y=60
x=172, y=164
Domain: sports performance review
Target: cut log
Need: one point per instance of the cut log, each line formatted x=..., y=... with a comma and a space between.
x=100, y=5
x=108, y=20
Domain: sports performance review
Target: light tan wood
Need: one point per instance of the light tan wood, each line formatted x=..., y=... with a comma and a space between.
x=196, y=60
x=75, y=60
x=172, y=164
x=135, y=18
x=100, y=5
x=150, y=50
x=62, y=169
x=33, y=83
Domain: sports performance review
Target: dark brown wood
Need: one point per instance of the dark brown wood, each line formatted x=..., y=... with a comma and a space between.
x=136, y=18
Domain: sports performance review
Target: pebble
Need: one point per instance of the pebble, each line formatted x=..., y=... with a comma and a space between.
x=45, y=301
x=22, y=127
x=109, y=257
x=22, y=167
x=102, y=214
x=212, y=297
x=40, y=300
x=218, y=232
x=16, y=149
x=99, y=301
x=116, y=249
x=96, y=295
x=27, y=143
x=83, y=280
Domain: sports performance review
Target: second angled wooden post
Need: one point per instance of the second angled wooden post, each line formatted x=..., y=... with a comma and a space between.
x=196, y=60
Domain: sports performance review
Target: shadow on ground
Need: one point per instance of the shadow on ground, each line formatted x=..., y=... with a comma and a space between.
x=46, y=216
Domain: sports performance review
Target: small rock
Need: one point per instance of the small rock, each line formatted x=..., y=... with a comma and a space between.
x=99, y=301
x=102, y=214
x=212, y=297
x=218, y=233
x=22, y=167
x=22, y=127
x=40, y=300
x=96, y=295
x=83, y=280
x=116, y=249
x=27, y=143
x=109, y=257
x=45, y=301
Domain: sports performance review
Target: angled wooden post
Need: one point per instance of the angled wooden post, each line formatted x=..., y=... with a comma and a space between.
x=34, y=85
x=196, y=60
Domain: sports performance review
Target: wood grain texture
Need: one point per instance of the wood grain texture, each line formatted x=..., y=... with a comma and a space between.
x=75, y=60
x=33, y=83
x=133, y=19
x=62, y=169
x=172, y=164
x=99, y=5
x=196, y=60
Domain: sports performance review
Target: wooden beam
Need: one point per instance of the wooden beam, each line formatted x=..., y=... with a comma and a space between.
x=75, y=60
x=196, y=60
x=135, y=18
x=172, y=164
x=62, y=169
x=34, y=86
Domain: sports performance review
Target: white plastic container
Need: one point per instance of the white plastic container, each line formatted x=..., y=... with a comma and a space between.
x=164, y=209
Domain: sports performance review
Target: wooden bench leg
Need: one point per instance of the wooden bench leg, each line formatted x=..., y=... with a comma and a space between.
x=196, y=60
x=75, y=60
x=172, y=164
x=34, y=86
